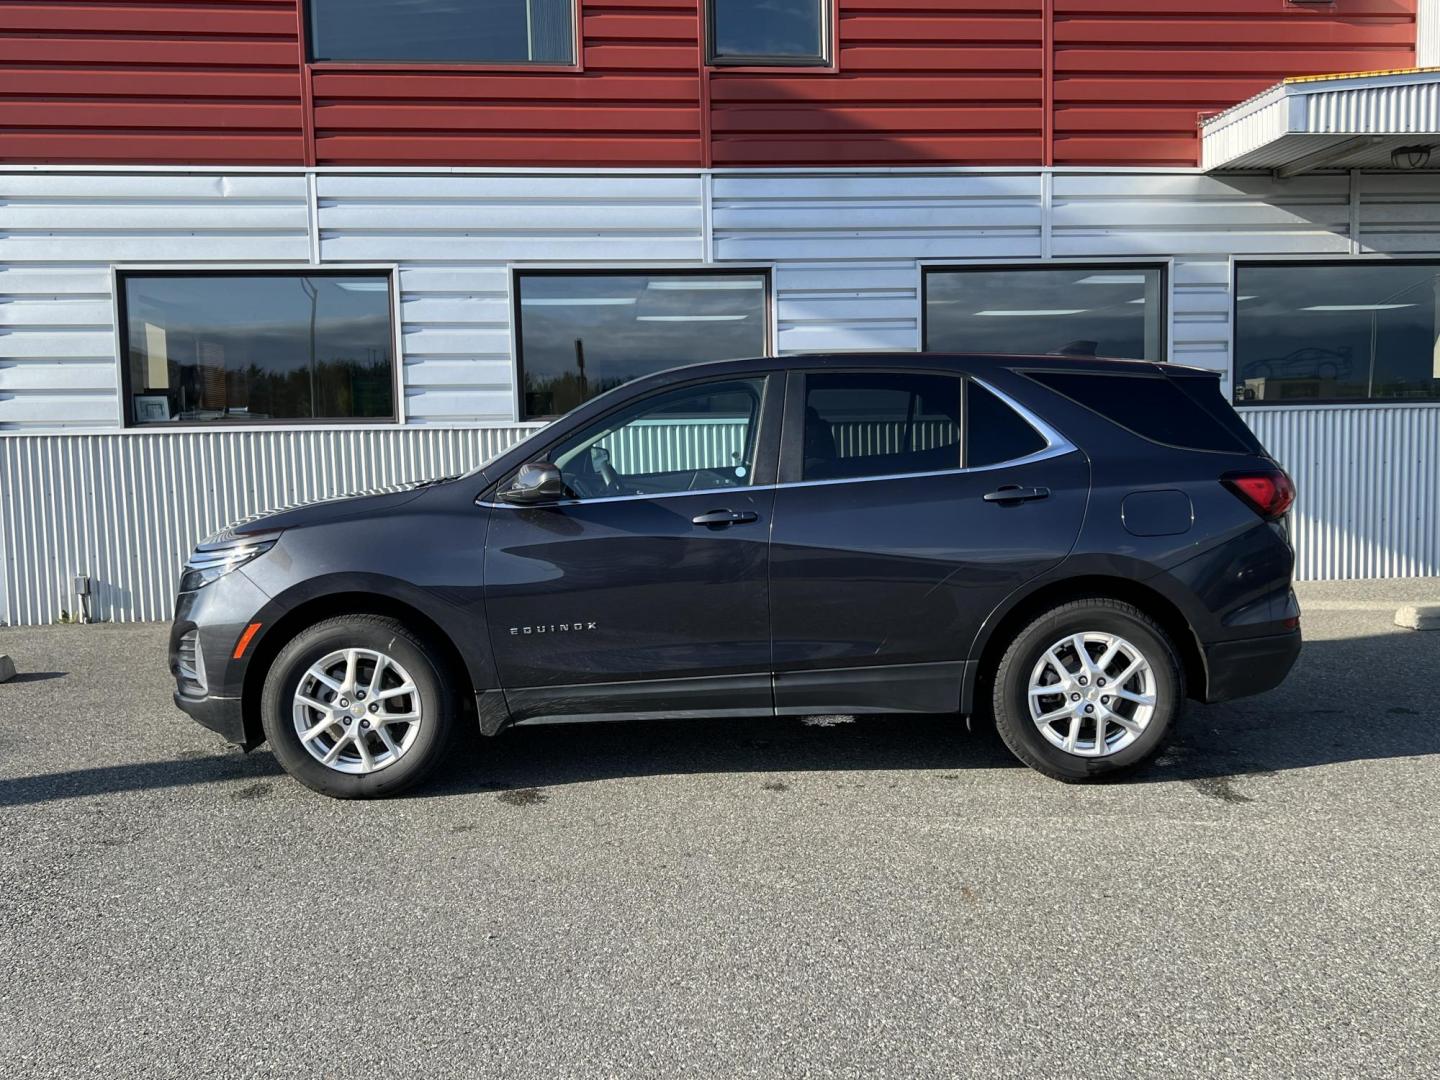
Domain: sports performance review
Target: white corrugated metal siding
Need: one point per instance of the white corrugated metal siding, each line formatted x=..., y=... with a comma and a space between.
x=1369, y=486
x=127, y=509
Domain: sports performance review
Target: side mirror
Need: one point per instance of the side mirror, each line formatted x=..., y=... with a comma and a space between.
x=536, y=482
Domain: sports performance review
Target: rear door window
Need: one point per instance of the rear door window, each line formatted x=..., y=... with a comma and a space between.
x=880, y=423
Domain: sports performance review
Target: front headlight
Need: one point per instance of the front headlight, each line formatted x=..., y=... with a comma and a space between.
x=208, y=563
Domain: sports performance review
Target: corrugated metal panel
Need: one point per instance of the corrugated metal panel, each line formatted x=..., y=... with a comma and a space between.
x=1369, y=487
x=1403, y=109
x=127, y=509
x=1133, y=77
x=1308, y=116
x=136, y=81
x=454, y=237
x=919, y=82
x=59, y=236
x=1427, y=34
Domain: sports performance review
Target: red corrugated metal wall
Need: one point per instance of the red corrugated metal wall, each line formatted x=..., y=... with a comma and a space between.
x=962, y=82
x=635, y=101
x=1132, y=76
x=915, y=81
x=150, y=82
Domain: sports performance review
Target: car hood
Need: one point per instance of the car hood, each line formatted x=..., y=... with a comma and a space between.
x=320, y=511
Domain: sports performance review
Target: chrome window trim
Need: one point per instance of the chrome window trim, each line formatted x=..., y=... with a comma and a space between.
x=1056, y=445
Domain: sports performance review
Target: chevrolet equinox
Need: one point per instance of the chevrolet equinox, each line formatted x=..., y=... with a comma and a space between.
x=1074, y=546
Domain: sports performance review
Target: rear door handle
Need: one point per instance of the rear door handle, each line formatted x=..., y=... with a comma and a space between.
x=721, y=518
x=1013, y=493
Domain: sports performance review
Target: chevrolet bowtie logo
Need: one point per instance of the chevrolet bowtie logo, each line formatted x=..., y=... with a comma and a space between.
x=552, y=628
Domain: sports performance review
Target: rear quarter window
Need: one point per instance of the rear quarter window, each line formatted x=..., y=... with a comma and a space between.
x=1152, y=406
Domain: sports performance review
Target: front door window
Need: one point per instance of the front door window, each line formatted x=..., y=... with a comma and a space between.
x=697, y=438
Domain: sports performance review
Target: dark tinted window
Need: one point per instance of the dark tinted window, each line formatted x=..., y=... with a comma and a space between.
x=1205, y=392
x=1149, y=405
x=879, y=424
x=483, y=31
x=1073, y=310
x=784, y=30
x=1322, y=332
x=995, y=432
x=583, y=334
x=207, y=348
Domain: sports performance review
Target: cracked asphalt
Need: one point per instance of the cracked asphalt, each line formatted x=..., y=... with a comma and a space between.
x=892, y=897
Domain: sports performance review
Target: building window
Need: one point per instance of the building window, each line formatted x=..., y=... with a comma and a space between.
x=443, y=31
x=765, y=32
x=1356, y=331
x=1067, y=310
x=581, y=334
x=205, y=348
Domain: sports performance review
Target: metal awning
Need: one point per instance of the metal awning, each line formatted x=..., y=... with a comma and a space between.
x=1355, y=121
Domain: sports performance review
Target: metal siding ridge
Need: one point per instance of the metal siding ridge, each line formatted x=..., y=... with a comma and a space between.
x=126, y=510
x=1369, y=487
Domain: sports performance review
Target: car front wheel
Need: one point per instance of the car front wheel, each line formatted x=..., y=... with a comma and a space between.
x=1090, y=689
x=357, y=707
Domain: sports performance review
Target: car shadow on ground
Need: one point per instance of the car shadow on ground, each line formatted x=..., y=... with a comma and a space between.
x=1322, y=715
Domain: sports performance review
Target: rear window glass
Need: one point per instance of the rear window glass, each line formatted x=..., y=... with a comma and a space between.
x=1151, y=406
x=1205, y=392
x=994, y=431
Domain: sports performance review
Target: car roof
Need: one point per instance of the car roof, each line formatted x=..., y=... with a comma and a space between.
x=967, y=362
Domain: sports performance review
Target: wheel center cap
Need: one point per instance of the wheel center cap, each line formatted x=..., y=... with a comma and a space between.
x=357, y=709
x=1092, y=694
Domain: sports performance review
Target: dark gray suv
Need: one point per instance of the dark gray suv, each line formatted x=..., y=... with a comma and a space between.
x=1073, y=545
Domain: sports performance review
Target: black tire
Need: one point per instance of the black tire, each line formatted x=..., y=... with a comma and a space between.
x=1010, y=697
x=372, y=632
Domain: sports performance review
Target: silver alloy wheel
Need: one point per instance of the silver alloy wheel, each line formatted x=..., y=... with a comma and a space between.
x=357, y=711
x=1092, y=694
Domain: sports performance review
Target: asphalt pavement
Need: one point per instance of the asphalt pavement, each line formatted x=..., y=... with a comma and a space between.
x=887, y=897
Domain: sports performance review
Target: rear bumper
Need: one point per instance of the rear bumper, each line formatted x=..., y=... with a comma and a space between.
x=220, y=714
x=1236, y=669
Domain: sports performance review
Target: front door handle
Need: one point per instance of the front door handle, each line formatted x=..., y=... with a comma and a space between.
x=721, y=518
x=1014, y=493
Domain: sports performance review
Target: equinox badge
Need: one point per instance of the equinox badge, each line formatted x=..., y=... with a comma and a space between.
x=552, y=628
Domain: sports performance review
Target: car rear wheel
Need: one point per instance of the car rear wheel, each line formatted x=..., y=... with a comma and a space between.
x=357, y=707
x=1090, y=689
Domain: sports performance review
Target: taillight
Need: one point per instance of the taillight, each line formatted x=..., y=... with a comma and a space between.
x=1269, y=492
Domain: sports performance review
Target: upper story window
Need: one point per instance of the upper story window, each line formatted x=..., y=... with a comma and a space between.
x=765, y=32
x=1070, y=310
x=1358, y=331
x=443, y=31
x=207, y=348
x=582, y=333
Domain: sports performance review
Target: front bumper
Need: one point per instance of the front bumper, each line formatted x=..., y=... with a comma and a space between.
x=222, y=715
x=213, y=619
x=1236, y=669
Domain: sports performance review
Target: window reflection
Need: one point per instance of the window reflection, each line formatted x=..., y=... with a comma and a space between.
x=783, y=30
x=1099, y=310
x=1337, y=332
x=209, y=348
x=477, y=31
x=583, y=334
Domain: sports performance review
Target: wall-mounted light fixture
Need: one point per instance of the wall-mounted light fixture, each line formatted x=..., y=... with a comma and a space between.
x=1410, y=157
